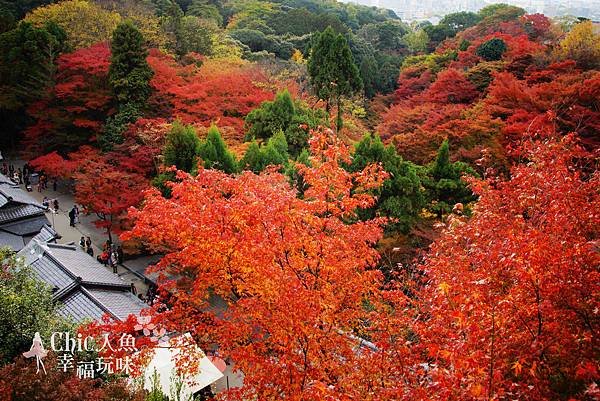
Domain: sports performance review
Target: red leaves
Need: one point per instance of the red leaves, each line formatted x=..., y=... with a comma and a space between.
x=520, y=280
x=292, y=274
x=451, y=86
x=77, y=105
x=207, y=94
x=53, y=165
x=107, y=191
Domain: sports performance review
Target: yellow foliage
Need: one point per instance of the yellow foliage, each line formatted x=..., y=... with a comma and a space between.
x=225, y=47
x=145, y=20
x=297, y=57
x=582, y=44
x=85, y=23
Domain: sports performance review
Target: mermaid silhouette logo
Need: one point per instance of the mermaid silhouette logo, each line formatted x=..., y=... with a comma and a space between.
x=37, y=350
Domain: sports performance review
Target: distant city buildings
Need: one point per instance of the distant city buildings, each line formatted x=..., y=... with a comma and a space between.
x=433, y=10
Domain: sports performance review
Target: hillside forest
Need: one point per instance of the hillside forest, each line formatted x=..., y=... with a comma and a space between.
x=334, y=174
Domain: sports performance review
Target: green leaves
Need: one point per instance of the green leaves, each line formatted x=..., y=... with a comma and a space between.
x=492, y=50
x=274, y=153
x=214, y=153
x=332, y=71
x=129, y=73
x=282, y=114
x=443, y=182
x=26, y=306
x=182, y=147
x=400, y=198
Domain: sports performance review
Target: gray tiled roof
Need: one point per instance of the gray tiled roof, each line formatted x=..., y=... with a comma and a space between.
x=19, y=211
x=47, y=234
x=5, y=180
x=15, y=242
x=78, y=306
x=98, y=292
x=120, y=303
x=49, y=272
x=9, y=193
x=29, y=226
x=80, y=264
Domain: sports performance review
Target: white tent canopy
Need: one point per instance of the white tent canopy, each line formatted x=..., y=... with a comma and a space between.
x=163, y=363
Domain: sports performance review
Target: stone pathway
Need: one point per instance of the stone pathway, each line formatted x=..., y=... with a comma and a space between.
x=85, y=228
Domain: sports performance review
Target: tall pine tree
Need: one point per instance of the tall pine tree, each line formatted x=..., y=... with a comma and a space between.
x=129, y=73
x=333, y=73
x=129, y=77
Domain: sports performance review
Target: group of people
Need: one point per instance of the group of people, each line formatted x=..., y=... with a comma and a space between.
x=112, y=255
x=13, y=173
x=150, y=294
x=24, y=176
x=86, y=245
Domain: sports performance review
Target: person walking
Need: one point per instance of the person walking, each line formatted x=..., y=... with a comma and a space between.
x=90, y=251
x=72, y=217
x=88, y=242
x=82, y=242
x=76, y=213
x=56, y=208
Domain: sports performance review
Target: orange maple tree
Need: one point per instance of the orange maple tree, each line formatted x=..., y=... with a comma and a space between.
x=511, y=307
x=278, y=283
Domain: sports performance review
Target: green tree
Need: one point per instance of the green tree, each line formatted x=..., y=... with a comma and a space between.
x=129, y=73
x=416, y=41
x=27, y=56
x=443, y=182
x=492, y=50
x=27, y=68
x=26, y=307
x=206, y=10
x=332, y=71
x=116, y=124
x=437, y=33
x=271, y=117
x=274, y=153
x=400, y=197
x=195, y=35
x=253, y=158
x=129, y=77
x=460, y=21
x=214, y=153
x=500, y=12
x=182, y=148
x=283, y=114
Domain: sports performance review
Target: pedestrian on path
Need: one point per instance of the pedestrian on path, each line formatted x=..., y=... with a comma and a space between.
x=82, y=242
x=90, y=251
x=88, y=242
x=72, y=217
x=56, y=208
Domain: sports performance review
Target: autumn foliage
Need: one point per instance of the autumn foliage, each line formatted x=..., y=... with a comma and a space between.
x=511, y=303
x=291, y=274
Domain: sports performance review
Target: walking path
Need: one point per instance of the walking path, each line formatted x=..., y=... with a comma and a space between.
x=85, y=227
